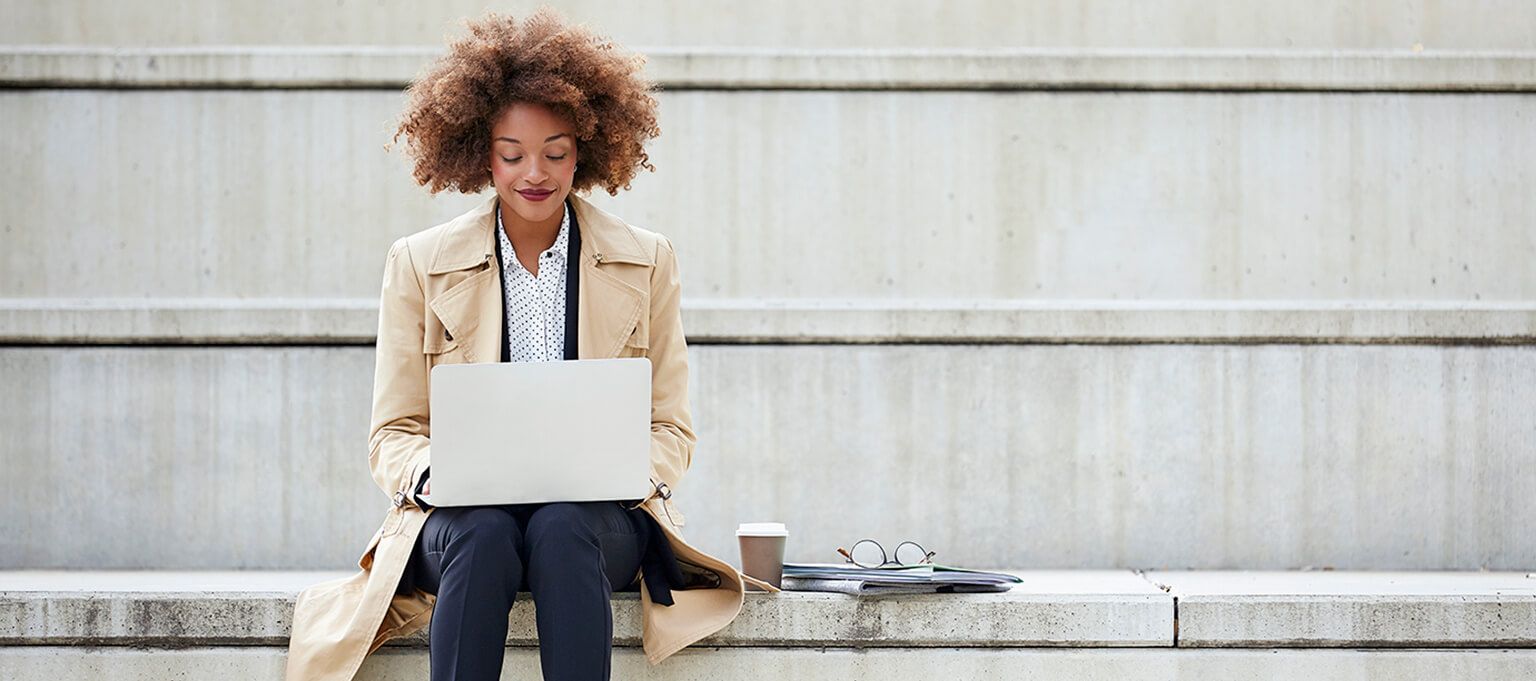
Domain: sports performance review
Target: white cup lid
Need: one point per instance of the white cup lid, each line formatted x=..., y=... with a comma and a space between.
x=762, y=530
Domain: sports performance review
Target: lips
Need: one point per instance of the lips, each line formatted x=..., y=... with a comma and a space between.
x=535, y=194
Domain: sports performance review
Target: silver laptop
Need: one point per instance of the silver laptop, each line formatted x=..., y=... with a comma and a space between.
x=526, y=432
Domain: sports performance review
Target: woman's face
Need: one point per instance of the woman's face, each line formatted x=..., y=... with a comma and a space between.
x=533, y=158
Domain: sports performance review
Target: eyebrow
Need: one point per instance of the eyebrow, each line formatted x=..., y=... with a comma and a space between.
x=547, y=140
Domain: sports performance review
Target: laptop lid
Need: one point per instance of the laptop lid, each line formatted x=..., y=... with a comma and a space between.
x=536, y=432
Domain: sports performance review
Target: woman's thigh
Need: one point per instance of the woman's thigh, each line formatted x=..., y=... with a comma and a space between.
x=446, y=525
x=556, y=534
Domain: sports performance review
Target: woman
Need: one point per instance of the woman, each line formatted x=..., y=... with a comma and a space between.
x=536, y=111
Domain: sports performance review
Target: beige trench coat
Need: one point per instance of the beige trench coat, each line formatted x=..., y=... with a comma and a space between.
x=441, y=303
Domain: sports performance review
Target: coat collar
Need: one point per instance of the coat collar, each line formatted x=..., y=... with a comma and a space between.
x=612, y=299
x=471, y=238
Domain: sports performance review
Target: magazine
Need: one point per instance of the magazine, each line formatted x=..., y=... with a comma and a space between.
x=893, y=579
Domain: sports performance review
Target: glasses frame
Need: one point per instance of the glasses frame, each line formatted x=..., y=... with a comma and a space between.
x=886, y=559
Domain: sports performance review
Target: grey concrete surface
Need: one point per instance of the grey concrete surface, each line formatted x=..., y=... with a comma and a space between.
x=1084, y=608
x=1484, y=24
x=1396, y=70
x=824, y=664
x=1157, y=196
x=177, y=609
x=1346, y=609
x=190, y=321
x=208, y=583
x=1266, y=456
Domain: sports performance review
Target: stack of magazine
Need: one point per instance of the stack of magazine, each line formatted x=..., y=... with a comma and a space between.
x=892, y=579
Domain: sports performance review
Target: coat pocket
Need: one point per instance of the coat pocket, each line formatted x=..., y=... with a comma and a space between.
x=365, y=561
x=637, y=343
x=439, y=344
x=640, y=337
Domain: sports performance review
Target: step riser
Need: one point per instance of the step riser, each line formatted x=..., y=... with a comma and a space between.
x=1352, y=622
x=121, y=664
x=1021, y=195
x=1048, y=456
x=863, y=23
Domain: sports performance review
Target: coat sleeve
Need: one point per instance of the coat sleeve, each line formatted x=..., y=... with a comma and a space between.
x=398, y=436
x=672, y=437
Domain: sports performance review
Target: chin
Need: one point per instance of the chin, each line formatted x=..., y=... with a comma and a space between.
x=539, y=214
x=535, y=212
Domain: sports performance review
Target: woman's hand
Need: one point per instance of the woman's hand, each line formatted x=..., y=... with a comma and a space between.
x=426, y=487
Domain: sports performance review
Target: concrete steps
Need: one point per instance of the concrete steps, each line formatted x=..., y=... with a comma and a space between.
x=1074, y=624
x=1244, y=285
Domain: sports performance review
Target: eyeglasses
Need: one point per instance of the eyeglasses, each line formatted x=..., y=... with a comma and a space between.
x=869, y=553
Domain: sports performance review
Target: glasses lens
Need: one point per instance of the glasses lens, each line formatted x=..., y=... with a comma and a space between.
x=909, y=553
x=868, y=553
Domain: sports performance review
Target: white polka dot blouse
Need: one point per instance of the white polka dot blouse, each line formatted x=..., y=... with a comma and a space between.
x=535, y=304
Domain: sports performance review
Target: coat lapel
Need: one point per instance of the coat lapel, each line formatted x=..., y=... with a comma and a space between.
x=615, y=282
x=469, y=304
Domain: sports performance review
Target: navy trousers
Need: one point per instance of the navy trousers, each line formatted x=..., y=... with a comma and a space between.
x=570, y=556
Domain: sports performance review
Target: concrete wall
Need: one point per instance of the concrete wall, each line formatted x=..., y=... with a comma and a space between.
x=1316, y=155
x=1328, y=24
x=1042, y=195
x=1023, y=456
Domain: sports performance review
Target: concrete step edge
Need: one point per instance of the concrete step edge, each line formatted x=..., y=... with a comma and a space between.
x=1084, y=609
x=351, y=66
x=826, y=663
x=211, y=610
x=353, y=321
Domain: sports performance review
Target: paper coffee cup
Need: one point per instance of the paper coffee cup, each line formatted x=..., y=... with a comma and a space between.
x=762, y=551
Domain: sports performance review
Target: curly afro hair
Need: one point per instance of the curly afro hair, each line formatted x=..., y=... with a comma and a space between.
x=576, y=73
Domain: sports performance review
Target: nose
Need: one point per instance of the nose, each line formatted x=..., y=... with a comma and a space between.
x=537, y=173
